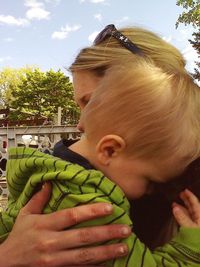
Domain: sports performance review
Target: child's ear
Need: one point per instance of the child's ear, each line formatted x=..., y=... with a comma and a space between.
x=109, y=147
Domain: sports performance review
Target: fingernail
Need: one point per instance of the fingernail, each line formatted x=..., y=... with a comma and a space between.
x=176, y=209
x=125, y=231
x=44, y=185
x=108, y=208
x=122, y=250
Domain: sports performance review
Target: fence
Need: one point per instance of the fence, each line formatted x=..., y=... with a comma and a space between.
x=40, y=137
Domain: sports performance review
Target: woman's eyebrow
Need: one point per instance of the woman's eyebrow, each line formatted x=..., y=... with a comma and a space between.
x=85, y=97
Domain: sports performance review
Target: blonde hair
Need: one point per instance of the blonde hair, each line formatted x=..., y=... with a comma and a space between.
x=156, y=113
x=175, y=134
x=99, y=57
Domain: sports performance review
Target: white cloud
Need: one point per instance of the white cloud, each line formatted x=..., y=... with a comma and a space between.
x=98, y=17
x=8, y=39
x=184, y=34
x=92, y=36
x=97, y=1
x=12, y=21
x=3, y=59
x=168, y=38
x=94, y=1
x=33, y=4
x=191, y=56
x=123, y=19
x=37, y=13
x=59, y=35
x=63, y=33
x=56, y=2
x=36, y=10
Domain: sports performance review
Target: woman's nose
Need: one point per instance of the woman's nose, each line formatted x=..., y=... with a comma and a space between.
x=80, y=127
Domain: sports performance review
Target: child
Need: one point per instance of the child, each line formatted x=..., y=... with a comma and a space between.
x=121, y=129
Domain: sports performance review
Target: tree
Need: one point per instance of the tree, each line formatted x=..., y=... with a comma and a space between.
x=9, y=80
x=196, y=44
x=37, y=94
x=192, y=16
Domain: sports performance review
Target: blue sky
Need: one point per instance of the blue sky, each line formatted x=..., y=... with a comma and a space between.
x=49, y=33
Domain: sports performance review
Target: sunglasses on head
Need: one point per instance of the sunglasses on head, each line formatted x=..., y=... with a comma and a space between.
x=110, y=30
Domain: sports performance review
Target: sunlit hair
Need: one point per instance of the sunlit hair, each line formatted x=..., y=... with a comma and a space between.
x=167, y=103
x=98, y=58
x=156, y=113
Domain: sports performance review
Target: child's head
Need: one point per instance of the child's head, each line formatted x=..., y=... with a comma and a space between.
x=143, y=119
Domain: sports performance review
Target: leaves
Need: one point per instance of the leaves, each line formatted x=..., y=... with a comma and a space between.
x=37, y=94
x=196, y=44
x=192, y=16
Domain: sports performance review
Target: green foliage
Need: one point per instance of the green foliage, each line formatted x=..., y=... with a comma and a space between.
x=37, y=94
x=9, y=81
x=196, y=44
x=192, y=16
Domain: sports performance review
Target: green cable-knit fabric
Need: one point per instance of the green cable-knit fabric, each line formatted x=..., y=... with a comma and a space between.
x=73, y=185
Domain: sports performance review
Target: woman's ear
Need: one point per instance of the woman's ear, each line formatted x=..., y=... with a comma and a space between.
x=109, y=147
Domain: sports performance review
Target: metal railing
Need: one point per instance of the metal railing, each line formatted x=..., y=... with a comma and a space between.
x=41, y=137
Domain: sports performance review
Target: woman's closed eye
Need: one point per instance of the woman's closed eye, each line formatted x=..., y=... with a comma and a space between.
x=83, y=101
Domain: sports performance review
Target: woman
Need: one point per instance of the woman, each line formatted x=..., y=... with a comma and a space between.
x=100, y=56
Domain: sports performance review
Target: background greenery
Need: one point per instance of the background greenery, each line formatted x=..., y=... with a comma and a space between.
x=29, y=93
x=191, y=16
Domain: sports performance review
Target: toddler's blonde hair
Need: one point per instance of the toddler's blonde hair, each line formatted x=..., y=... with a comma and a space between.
x=156, y=113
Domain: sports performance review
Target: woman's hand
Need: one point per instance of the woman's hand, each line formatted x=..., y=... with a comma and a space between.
x=40, y=239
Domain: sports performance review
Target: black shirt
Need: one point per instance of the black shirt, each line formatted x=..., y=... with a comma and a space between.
x=66, y=154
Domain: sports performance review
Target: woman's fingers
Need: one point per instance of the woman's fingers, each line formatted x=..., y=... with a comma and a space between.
x=40, y=239
x=56, y=247
x=38, y=201
x=85, y=256
x=88, y=236
x=63, y=219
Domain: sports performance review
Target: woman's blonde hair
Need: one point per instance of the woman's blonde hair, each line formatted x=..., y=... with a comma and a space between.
x=156, y=113
x=99, y=57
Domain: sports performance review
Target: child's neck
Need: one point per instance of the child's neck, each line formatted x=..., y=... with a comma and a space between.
x=81, y=147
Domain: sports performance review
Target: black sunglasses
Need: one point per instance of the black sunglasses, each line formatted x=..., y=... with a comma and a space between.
x=110, y=30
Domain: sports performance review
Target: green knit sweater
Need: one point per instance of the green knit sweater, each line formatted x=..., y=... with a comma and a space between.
x=72, y=186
